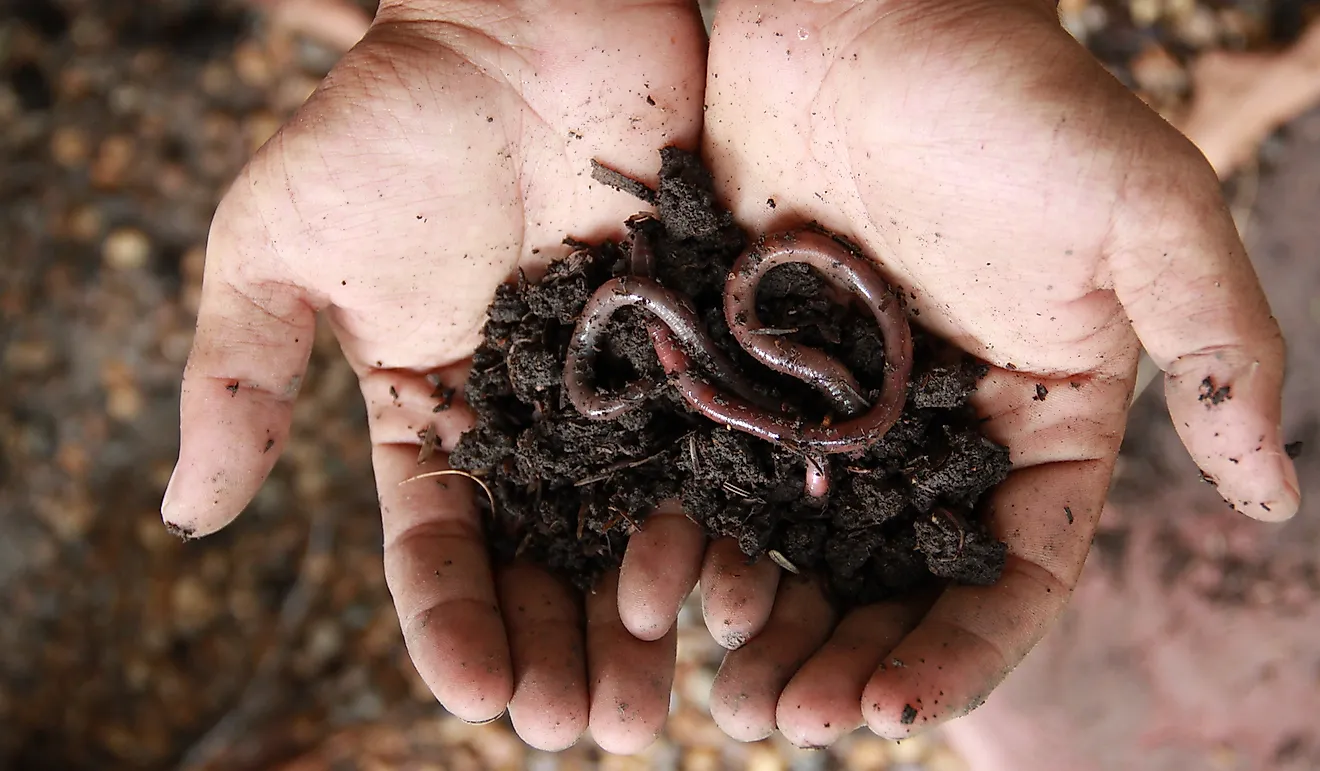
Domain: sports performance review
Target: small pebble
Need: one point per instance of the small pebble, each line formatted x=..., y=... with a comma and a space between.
x=126, y=249
x=69, y=146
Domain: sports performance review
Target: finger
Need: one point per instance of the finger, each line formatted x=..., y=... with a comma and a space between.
x=544, y=620
x=660, y=567
x=823, y=701
x=436, y=563
x=736, y=597
x=630, y=678
x=747, y=687
x=1062, y=448
x=253, y=338
x=1183, y=277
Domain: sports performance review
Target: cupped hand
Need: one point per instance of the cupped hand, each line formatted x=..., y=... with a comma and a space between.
x=450, y=148
x=1042, y=219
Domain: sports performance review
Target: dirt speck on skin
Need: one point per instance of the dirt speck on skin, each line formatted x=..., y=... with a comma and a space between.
x=901, y=515
x=1214, y=395
x=909, y=715
x=182, y=532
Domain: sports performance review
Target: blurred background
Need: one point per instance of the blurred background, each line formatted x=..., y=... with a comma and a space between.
x=1193, y=642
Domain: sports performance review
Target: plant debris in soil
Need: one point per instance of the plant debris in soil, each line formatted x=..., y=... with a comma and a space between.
x=568, y=491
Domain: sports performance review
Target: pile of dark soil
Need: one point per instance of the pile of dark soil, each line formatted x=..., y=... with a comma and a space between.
x=568, y=491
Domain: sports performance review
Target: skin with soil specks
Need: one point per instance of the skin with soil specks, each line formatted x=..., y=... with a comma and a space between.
x=900, y=514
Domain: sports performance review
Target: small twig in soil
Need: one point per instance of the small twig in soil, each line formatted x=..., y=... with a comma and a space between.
x=962, y=535
x=733, y=489
x=614, y=468
x=619, y=516
x=457, y=473
x=621, y=182
x=430, y=443
x=782, y=561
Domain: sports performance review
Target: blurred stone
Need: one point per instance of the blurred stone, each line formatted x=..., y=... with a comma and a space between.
x=175, y=346
x=113, y=159
x=191, y=603
x=123, y=400
x=72, y=459
x=252, y=65
x=214, y=567
x=694, y=728
x=867, y=753
x=69, y=517
x=217, y=79
x=694, y=685
x=1199, y=28
x=293, y=91
x=1145, y=12
x=85, y=224
x=1157, y=72
x=88, y=31
x=763, y=757
x=69, y=146
x=243, y=605
x=702, y=759
x=29, y=357
x=623, y=763
x=910, y=750
x=127, y=99
x=325, y=640
x=943, y=758
x=73, y=84
x=152, y=534
x=9, y=106
x=124, y=403
x=126, y=249
x=259, y=128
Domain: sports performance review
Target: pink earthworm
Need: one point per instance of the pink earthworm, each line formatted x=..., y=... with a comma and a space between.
x=677, y=320
x=678, y=337
x=847, y=272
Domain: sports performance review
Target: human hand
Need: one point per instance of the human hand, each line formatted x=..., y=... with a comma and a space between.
x=450, y=148
x=1047, y=222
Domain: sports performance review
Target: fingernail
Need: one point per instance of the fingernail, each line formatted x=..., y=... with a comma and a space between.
x=487, y=721
x=184, y=532
x=166, y=501
x=1290, y=477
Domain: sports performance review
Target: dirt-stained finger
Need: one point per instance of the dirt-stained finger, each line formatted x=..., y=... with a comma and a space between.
x=823, y=701
x=736, y=595
x=545, y=625
x=746, y=692
x=629, y=679
x=659, y=569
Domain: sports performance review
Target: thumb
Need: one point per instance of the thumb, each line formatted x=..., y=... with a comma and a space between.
x=1182, y=274
x=253, y=339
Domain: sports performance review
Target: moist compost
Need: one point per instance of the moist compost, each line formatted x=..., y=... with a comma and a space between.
x=900, y=515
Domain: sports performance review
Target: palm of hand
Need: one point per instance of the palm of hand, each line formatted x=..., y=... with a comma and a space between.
x=1042, y=219
x=434, y=162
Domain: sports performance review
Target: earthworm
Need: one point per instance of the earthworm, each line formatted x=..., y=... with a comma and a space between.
x=679, y=336
x=673, y=359
x=846, y=272
x=678, y=320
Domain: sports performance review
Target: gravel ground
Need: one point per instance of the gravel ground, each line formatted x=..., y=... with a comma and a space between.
x=272, y=644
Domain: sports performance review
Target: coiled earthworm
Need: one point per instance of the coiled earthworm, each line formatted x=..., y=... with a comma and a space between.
x=680, y=335
x=678, y=320
x=849, y=273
